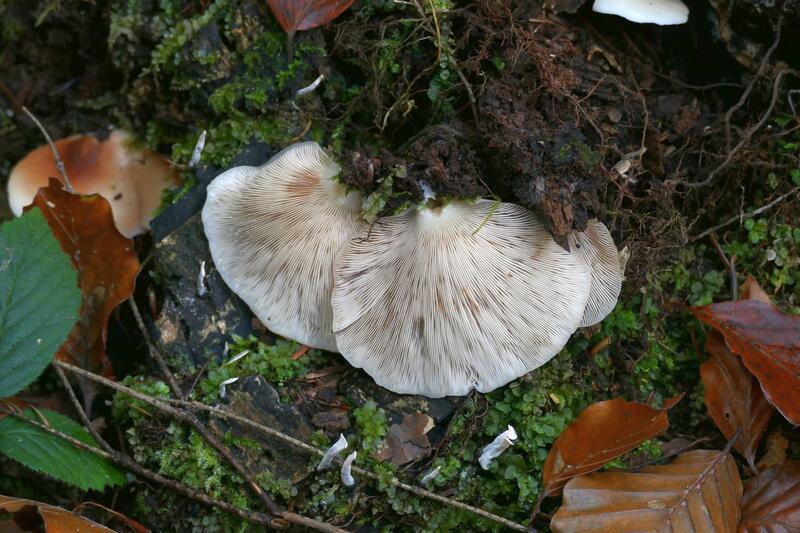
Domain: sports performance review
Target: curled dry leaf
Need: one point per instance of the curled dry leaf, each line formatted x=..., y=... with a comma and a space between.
x=733, y=398
x=771, y=502
x=751, y=290
x=602, y=432
x=407, y=440
x=39, y=516
x=301, y=15
x=106, y=264
x=768, y=342
x=699, y=491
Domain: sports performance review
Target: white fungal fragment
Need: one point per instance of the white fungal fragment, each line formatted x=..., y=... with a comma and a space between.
x=497, y=446
x=430, y=476
x=338, y=447
x=310, y=88
x=236, y=357
x=347, y=477
x=222, y=391
x=201, y=280
x=197, y=153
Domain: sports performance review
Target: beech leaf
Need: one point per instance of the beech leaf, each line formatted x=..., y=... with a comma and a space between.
x=699, y=491
x=768, y=342
x=602, y=432
x=106, y=263
x=733, y=398
x=300, y=15
x=771, y=501
x=40, y=516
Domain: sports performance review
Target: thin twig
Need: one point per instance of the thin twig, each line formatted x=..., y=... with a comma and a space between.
x=129, y=464
x=743, y=216
x=743, y=98
x=162, y=404
x=155, y=353
x=730, y=265
x=747, y=135
x=59, y=163
x=190, y=419
x=473, y=104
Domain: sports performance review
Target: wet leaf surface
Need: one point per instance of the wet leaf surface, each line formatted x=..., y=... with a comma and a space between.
x=768, y=342
x=602, y=432
x=29, y=515
x=771, y=502
x=699, y=491
x=106, y=264
x=300, y=15
x=733, y=397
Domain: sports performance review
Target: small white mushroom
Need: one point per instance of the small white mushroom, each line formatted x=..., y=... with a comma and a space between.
x=336, y=448
x=347, y=476
x=274, y=232
x=236, y=357
x=497, y=446
x=440, y=301
x=201, y=280
x=596, y=248
x=222, y=390
x=197, y=153
x=430, y=476
x=661, y=12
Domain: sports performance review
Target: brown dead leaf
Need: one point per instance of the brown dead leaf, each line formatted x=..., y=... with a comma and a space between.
x=602, y=432
x=768, y=342
x=301, y=15
x=106, y=264
x=733, y=397
x=751, y=290
x=771, y=502
x=407, y=440
x=699, y=491
x=29, y=515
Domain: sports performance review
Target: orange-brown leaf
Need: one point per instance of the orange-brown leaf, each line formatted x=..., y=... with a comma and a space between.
x=768, y=342
x=603, y=431
x=771, y=501
x=106, y=264
x=43, y=517
x=699, y=491
x=733, y=397
x=300, y=15
x=751, y=290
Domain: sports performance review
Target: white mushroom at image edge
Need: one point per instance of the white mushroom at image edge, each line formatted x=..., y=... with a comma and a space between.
x=596, y=248
x=493, y=450
x=274, y=232
x=439, y=301
x=661, y=12
x=130, y=179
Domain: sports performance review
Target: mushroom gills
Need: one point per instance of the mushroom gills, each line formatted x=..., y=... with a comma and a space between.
x=426, y=304
x=274, y=232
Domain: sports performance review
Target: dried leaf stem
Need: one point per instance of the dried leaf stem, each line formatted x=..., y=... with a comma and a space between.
x=59, y=162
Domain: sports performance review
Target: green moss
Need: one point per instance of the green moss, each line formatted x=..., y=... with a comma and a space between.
x=371, y=423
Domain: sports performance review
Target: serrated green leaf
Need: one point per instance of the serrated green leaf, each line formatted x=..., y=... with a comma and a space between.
x=51, y=455
x=39, y=300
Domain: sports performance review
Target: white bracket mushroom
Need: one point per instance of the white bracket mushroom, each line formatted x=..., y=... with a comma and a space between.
x=661, y=12
x=336, y=448
x=497, y=446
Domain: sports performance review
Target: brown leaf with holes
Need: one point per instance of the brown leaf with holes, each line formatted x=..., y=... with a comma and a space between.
x=768, y=342
x=106, y=264
x=771, y=502
x=29, y=515
x=407, y=440
x=300, y=15
x=733, y=397
x=602, y=432
x=699, y=491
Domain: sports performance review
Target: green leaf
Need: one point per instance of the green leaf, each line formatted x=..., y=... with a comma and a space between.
x=51, y=455
x=39, y=300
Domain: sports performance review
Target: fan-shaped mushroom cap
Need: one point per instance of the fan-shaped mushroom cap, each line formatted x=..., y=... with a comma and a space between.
x=441, y=301
x=596, y=248
x=274, y=232
x=661, y=12
x=131, y=180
